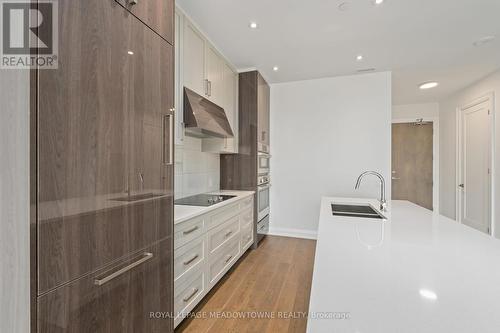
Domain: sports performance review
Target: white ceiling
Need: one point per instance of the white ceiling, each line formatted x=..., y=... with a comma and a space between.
x=419, y=40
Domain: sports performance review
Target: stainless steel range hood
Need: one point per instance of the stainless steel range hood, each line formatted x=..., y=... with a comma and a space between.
x=203, y=118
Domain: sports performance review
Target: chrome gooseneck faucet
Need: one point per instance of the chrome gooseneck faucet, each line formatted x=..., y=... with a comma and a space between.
x=383, y=201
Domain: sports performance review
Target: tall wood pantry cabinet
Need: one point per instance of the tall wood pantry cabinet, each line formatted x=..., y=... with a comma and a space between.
x=102, y=242
x=240, y=171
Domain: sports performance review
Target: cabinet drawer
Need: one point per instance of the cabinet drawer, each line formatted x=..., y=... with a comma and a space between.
x=220, y=263
x=246, y=203
x=122, y=304
x=246, y=236
x=222, y=234
x=188, y=293
x=187, y=231
x=189, y=257
x=246, y=217
x=156, y=14
x=71, y=246
x=223, y=214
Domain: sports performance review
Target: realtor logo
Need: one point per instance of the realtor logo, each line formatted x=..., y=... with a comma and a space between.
x=29, y=34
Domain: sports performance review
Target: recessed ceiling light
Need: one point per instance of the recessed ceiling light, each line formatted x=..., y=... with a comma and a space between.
x=484, y=40
x=378, y=2
x=428, y=85
x=253, y=25
x=275, y=68
x=130, y=52
x=428, y=294
x=359, y=57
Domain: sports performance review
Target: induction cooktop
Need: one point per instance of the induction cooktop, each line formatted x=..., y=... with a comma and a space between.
x=203, y=200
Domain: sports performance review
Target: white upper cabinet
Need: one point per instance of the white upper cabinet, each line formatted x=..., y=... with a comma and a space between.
x=202, y=69
x=229, y=101
x=179, y=116
x=215, y=75
x=193, y=55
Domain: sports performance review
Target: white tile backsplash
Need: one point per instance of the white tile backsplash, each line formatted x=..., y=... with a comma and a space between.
x=213, y=181
x=194, y=183
x=195, y=171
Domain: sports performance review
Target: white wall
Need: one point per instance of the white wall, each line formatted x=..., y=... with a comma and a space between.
x=324, y=133
x=415, y=111
x=448, y=121
x=14, y=202
x=195, y=171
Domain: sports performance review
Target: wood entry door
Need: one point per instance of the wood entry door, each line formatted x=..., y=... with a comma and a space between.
x=412, y=163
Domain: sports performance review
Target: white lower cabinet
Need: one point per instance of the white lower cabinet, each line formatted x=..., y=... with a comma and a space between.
x=246, y=236
x=189, y=257
x=222, y=260
x=222, y=234
x=188, y=291
x=206, y=247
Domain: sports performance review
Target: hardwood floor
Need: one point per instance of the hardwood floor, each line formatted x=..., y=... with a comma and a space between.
x=273, y=281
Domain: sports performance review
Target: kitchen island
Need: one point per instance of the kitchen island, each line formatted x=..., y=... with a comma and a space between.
x=415, y=272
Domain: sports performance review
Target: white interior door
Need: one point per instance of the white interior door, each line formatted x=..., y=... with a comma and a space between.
x=475, y=177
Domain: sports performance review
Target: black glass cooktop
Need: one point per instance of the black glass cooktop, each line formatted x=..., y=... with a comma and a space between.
x=203, y=200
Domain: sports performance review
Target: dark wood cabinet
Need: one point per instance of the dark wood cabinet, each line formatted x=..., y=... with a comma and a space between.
x=71, y=246
x=263, y=108
x=105, y=172
x=239, y=171
x=123, y=304
x=156, y=14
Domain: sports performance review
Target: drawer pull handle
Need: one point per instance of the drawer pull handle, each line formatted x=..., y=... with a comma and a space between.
x=193, y=292
x=190, y=260
x=228, y=258
x=145, y=257
x=187, y=232
x=229, y=233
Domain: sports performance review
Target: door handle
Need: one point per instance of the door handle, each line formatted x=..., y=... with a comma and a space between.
x=190, y=260
x=187, y=232
x=209, y=88
x=168, y=140
x=133, y=2
x=461, y=186
x=145, y=257
x=188, y=297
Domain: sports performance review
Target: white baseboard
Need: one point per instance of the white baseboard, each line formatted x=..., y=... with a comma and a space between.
x=295, y=233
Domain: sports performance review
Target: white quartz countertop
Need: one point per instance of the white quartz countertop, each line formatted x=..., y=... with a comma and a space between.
x=417, y=272
x=183, y=213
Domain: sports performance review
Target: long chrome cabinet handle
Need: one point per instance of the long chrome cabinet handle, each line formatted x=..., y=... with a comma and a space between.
x=145, y=257
x=228, y=258
x=190, y=260
x=186, y=232
x=193, y=292
x=168, y=140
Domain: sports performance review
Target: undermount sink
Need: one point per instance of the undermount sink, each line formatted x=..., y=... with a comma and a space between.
x=356, y=210
x=137, y=197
